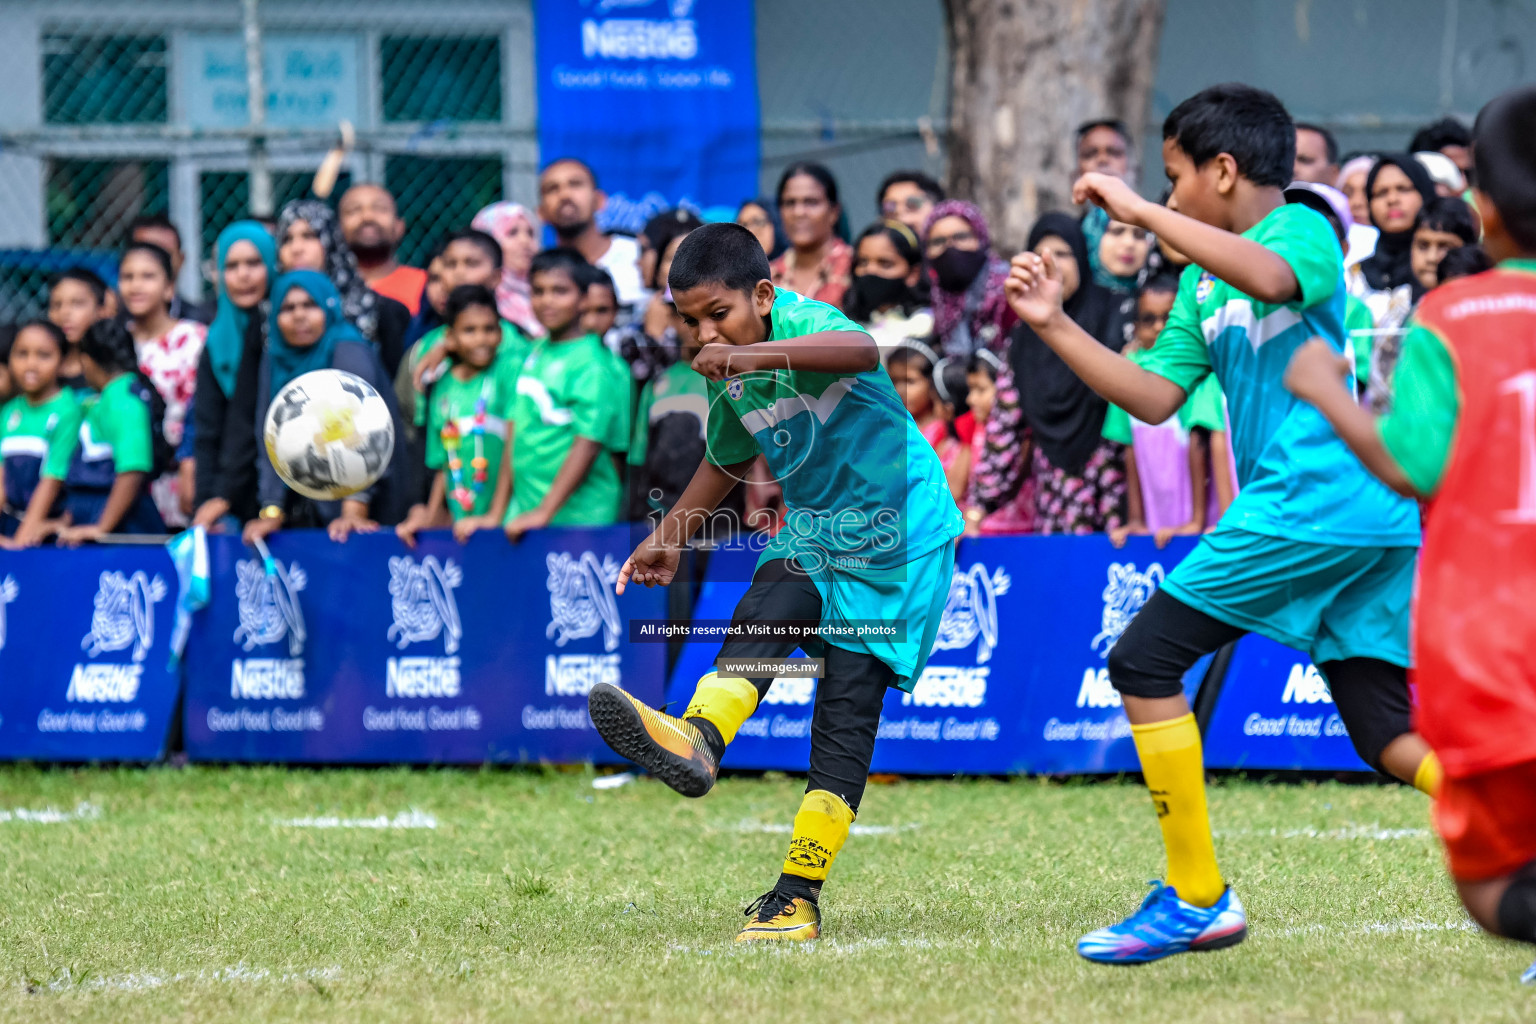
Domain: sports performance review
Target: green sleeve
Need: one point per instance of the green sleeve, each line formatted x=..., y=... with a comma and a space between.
x=1205, y=407
x=62, y=445
x=1117, y=425
x=436, y=456
x=1305, y=241
x=597, y=413
x=642, y=431
x=1358, y=326
x=795, y=316
x=1180, y=353
x=126, y=421
x=426, y=344
x=1418, y=430
x=726, y=441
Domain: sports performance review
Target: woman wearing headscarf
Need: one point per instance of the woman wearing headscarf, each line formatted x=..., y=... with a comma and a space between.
x=759, y=217
x=1077, y=476
x=1397, y=188
x=515, y=230
x=970, y=311
x=307, y=331
x=224, y=453
x=309, y=238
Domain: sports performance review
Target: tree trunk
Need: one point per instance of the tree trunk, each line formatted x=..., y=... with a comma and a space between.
x=1025, y=74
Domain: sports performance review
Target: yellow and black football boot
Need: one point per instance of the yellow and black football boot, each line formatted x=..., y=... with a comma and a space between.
x=777, y=916
x=672, y=749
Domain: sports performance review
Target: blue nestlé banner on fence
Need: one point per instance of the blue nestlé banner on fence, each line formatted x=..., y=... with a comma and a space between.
x=1017, y=681
x=658, y=96
x=370, y=652
x=85, y=655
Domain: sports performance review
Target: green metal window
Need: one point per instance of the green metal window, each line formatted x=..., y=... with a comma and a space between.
x=441, y=78
x=91, y=202
x=437, y=195
x=104, y=79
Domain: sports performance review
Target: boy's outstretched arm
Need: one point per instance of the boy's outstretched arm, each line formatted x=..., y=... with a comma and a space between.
x=1319, y=375
x=1241, y=262
x=1034, y=292
x=822, y=352
x=578, y=463
x=654, y=562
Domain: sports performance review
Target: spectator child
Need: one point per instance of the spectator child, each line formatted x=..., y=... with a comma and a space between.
x=77, y=298
x=467, y=422
x=910, y=366
x=571, y=419
x=1169, y=470
x=119, y=448
x=1464, y=262
x=168, y=351
x=884, y=297
x=908, y=197
x=952, y=395
x=649, y=343
x=600, y=304
x=1001, y=495
x=468, y=257
x=759, y=217
x=158, y=230
x=37, y=427
x=1443, y=225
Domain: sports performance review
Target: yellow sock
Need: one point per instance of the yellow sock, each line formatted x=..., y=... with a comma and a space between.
x=1429, y=775
x=1174, y=768
x=724, y=702
x=821, y=828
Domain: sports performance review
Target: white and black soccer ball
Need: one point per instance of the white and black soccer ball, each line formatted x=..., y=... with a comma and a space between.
x=329, y=434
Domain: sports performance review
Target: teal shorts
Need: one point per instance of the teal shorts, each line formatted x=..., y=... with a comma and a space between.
x=1333, y=601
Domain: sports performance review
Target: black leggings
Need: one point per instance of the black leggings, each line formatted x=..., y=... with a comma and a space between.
x=1167, y=637
x=851, y=691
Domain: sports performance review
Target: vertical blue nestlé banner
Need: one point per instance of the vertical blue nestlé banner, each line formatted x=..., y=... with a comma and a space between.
x=658, y=96
x=1017, y=681
x=85, y=654
x=367, y=652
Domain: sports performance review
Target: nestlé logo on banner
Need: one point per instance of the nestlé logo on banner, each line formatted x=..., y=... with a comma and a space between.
x=269, y=612
x=969, y=617
x=581, y=606
x=122, y=620
x=1304, y=684
x=424, y=609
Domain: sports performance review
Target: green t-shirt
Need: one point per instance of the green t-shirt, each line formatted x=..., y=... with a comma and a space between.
x=676, y=389
x=43, y=435
x=1205, y=407
x=1360, y=329
x=513, y=349
x=456, y=401
x=568, y=390
x=114, y=430
x=1417, y=430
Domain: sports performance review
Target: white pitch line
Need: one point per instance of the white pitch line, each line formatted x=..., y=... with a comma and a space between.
x=145, y=981
x=1344, y=833
x=1376, y=928
x=779, y=828
x=404, y=820
x=83, y=811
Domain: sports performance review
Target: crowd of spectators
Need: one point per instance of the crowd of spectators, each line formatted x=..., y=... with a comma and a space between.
x=534, y=386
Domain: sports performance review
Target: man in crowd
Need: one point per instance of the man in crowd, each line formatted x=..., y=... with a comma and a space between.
x=569, y=201
x=371, y=225
x=908, y=197
x=1104, y=147
x=1449, y=137
x=1317, y=155
x=157, y=229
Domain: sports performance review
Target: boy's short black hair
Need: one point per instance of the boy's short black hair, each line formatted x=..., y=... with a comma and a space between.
x=1433, y=137
x=1330, y=144
x=1504, y=154
x=924, y=182
x=1161, y=283
x=1448, y=214
x=158, y=221
x=480, y=238
x=1463, y=262
x=726, y=254
x=465, y=296
x=561, y=258
x=84, y=275
x=1250, y=124
x=572, y=160
x=592, y=275
x=1114, y=124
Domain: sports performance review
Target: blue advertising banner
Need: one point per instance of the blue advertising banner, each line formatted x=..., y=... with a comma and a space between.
x=368, y=652
x=1017, y=680
x=85, y=655
x=1275, y=712
x=658, y=96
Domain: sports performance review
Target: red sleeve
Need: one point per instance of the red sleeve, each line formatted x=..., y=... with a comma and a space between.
x=965, y=427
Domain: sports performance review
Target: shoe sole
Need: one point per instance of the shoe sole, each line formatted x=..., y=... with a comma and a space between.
x=1224, y=942
x=805, y=933
x=619, y=723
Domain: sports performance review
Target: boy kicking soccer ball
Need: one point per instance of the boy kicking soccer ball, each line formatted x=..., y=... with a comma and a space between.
x=867, y=539
x=1314, y=552
x=1462, y=431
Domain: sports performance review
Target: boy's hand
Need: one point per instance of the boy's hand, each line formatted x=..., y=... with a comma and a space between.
x=466, y=527
x=1118, y=534
x=428, y=369
x=717, y=362
x=1167, y=533
x=1118, y=199
x=531, y=520
x=653, y=563
x=1033, y=288
x=74, y=536
x=1316, y=370
x=353, y=519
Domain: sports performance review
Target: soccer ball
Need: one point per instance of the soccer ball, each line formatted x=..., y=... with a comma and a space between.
x=329, y=434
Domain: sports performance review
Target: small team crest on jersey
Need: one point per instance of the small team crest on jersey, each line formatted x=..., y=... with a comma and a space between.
x=1204, y=286
x=734, y=387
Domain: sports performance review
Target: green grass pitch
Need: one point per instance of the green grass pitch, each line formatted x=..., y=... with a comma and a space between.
x=213, y=894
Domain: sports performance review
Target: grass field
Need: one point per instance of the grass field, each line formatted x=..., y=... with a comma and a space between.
x=269, y=895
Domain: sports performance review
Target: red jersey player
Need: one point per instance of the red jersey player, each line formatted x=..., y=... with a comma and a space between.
x=1462, y=431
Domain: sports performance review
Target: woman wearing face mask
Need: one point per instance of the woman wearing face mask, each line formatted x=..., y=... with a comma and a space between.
x=887, y=267
x=818, y=262
x=309, y=238
x=225, y=453
x=513, y=226
x=970, y=311
x=1397, y=188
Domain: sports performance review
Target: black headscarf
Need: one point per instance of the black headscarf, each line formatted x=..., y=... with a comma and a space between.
x=1391, y=265
x=1064, y=415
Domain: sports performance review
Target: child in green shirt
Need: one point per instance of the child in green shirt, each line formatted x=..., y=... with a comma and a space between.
x=36, y=425
x=468, y=417
x=571, y=420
